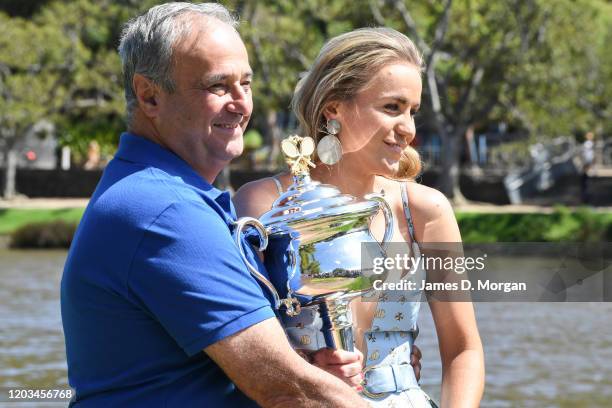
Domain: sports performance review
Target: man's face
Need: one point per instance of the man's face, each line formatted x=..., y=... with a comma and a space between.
x=204, y=119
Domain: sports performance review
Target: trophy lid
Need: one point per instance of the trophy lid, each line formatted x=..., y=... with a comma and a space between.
x=313, y=209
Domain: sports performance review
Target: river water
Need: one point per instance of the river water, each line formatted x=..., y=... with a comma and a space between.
x=537, y=354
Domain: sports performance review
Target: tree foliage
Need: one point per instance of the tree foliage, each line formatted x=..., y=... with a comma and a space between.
x=540, y=65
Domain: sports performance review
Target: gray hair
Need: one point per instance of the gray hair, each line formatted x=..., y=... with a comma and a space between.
x=147, y=43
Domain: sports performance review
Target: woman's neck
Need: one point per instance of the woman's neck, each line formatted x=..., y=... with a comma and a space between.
x=347, y=176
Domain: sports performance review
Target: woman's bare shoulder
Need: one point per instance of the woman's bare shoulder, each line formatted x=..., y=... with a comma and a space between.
x=255, y=197
x=434, y=217
x=426, y=203
x=431, y=212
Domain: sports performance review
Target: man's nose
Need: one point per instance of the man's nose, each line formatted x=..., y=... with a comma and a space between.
x=241, y=101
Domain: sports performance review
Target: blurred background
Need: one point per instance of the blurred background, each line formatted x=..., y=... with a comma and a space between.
x=515, y=128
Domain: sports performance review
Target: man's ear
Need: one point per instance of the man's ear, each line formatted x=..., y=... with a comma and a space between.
x=147, y=94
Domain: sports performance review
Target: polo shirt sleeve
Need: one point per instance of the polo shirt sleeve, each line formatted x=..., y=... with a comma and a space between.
x=187, y=272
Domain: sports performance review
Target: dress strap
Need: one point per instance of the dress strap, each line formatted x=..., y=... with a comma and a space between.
x=279, y=186
x=406, y=206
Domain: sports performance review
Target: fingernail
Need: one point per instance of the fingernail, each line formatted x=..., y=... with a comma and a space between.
x=359, y=388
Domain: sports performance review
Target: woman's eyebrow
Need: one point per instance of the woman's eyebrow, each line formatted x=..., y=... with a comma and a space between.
x=402, y=100
x=397, y=98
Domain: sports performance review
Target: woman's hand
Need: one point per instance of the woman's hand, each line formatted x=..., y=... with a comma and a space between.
x=348, y=365
x=415, y=361
x=343, y=364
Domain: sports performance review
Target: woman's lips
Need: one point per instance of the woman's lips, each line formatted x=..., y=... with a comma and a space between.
x=395, y=147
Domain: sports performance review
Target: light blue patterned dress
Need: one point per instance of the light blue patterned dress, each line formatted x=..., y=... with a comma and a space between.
x=388, y=372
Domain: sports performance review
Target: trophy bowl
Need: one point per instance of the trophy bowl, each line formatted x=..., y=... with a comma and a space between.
x=313, y=239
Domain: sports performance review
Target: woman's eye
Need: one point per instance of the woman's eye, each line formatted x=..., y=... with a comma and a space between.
x=392, y=107
x=414, y=112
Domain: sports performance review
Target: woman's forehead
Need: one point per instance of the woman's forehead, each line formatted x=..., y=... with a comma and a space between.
x=400, y=81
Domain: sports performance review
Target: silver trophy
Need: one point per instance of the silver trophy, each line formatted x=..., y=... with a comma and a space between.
x=313, y=240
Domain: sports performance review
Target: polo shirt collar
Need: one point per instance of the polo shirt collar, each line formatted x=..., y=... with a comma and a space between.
x=138, y=149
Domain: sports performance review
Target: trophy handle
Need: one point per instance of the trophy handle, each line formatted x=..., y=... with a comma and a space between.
x=241, y=224
x=389, y=221
x=292, y=304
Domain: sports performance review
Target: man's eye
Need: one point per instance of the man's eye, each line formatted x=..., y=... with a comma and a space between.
x=218, y=89
x=246, y=85
x=414, y=112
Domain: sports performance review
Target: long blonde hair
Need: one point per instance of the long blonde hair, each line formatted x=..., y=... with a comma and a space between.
x=344, y=66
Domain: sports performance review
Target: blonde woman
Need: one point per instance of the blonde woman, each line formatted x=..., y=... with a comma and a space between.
x=358, y=102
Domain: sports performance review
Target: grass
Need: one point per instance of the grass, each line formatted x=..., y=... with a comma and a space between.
x=11, y=219
x=561, y=225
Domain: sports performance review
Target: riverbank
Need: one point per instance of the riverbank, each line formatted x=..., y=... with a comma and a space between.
x=478, y=222
x=43, y=203
x=470, y=207
x=12, y=219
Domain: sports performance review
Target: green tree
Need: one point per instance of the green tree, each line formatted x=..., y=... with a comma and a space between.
x=61, y=65
x=94, y=108
x=283, y=38
x=518, y=61
x=36, y=64
x=537, y=64
x=530, y=63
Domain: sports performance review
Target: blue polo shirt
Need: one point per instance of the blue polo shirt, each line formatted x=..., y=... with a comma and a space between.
x=152, y=278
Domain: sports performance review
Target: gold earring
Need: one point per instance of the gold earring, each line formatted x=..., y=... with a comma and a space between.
x=329, y=148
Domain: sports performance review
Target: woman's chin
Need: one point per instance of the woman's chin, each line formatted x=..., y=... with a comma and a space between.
x=388, y=169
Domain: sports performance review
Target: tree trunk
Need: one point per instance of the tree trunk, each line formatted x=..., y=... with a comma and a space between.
x=274, y=136
x=10, y=160
x=449, y=176
x=448, y=182
x=445, y=182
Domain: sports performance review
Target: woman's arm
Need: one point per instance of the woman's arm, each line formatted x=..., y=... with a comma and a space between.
x=459, y=342
x=255, y=198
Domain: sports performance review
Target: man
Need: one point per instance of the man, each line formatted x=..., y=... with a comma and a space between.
x=158, y=307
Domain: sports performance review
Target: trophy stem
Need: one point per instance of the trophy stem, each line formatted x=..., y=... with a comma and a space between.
x=335, y=313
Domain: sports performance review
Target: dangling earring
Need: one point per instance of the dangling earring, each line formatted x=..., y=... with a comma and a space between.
x=329, y=148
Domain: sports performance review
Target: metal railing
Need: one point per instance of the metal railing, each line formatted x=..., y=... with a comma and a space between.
x=495, y=159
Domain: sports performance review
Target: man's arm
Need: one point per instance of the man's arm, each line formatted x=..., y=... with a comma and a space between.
x=260, y=361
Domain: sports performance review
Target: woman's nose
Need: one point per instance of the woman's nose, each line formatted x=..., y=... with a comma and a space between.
x=406, y=127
